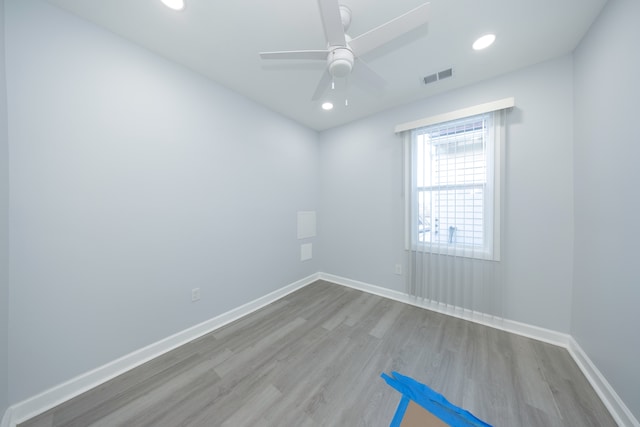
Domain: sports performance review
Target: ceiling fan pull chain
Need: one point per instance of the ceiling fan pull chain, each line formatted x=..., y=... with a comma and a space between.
x=346, y=91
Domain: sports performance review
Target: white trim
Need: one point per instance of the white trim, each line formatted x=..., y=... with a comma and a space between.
x=500, y=138
x=407, y=176
x=493, y=130
x=458, y=114
x=7, y=418
x=48, y=399
x=619, y=411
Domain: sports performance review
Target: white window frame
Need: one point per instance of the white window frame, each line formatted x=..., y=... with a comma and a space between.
x=492, y=208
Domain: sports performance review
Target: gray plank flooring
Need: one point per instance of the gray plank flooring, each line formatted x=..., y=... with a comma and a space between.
x=314, y=358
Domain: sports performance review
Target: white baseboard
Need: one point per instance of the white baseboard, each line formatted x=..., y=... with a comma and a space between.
x=529, y=331
x=619, y=411
x=48, y=399
x=6, y=419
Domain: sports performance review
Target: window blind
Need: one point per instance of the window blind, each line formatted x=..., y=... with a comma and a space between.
x=453, y=175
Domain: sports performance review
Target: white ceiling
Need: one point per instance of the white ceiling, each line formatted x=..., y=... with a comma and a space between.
x=221, y=40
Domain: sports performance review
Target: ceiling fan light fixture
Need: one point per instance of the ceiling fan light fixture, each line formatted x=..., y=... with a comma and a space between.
x=327, y=106
x=484, y=42
x=174, y=4
x=340, y=62
x=340, y=68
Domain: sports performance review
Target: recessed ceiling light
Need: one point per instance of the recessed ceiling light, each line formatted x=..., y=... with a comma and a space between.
x=327, y=106
x=484, y=42
x=174, y=4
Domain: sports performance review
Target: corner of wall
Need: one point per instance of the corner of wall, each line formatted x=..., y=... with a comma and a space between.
x=604, y=294
x=7, y=419
x=4, y=227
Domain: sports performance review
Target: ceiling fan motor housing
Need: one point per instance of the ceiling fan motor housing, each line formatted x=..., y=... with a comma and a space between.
x=340, y=62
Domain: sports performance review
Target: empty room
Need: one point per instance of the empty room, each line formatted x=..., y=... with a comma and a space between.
x=319, y=213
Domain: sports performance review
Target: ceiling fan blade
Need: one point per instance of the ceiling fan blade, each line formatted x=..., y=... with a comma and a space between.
x=323, y=85
x=296, y=54
x=363, y=73
x=393, y=29
x=331, y=22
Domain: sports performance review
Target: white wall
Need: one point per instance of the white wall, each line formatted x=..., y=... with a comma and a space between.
x=132, y=181
x=361, y=230
x=4, y=226
x=607, y=148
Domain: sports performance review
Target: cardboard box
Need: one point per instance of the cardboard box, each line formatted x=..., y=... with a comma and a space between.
x=417, y=416
x=421, y=406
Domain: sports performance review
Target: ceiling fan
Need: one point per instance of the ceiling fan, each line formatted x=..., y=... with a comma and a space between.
x=342, y=51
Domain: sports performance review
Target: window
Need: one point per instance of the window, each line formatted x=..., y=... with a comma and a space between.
x=454, y=180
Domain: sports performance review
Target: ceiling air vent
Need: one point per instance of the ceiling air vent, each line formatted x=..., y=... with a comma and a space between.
x=432, y=78
x=445, y=74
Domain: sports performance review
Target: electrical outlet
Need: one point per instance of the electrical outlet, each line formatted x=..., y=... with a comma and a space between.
x=399, y=269
x=195, y=294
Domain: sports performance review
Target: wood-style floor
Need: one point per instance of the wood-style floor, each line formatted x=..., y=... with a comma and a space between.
x=314, y=358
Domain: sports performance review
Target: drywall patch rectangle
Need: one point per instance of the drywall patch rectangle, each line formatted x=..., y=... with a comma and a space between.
x=306, y=224
x=306, y=251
